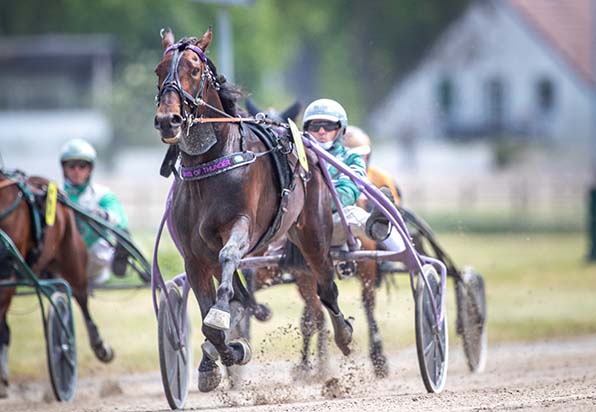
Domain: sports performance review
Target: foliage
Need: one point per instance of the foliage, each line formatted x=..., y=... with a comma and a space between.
x=350, y=50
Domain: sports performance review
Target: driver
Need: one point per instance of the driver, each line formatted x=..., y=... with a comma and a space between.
x=77, y=158
x=326, y=121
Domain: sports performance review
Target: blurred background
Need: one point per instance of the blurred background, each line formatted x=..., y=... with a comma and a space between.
x=482, y=110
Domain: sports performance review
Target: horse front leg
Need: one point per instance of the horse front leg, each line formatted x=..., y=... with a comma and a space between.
x=229, y=259
x=5, y=298
x=215, y=343
x=218, y=318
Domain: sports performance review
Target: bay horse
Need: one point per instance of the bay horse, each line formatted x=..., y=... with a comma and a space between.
x=52, y=250
x=221, y=214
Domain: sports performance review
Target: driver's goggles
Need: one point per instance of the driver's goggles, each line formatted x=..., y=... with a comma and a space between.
x=328, y=126
x=76, y=164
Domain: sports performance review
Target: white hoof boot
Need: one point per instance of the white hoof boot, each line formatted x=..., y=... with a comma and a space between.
x=217, y=319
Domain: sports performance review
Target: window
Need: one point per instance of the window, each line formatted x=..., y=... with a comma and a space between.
x=445, y=96
x=495, y=111
x=545, y=95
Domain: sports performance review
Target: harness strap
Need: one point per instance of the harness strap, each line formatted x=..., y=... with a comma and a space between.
x=15, y=203
x=12, y=207
x=223, y=119
x=37, y=226
x=219, y=165
x=285, y=175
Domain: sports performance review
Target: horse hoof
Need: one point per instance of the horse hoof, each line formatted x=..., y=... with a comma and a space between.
x=343, y=330
x=217, y=319
x=3, y=390
x=344, y=336
x=301, y=372
x=104, y=352
x=379, y=361
x=209, y=380
x=243, y=345
x=380, y=368
x=262, y=313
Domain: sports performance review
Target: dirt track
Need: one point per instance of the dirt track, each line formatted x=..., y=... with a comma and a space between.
x=553, y=376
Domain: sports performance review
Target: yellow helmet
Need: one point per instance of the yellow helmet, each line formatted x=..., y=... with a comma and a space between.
x=357, y=141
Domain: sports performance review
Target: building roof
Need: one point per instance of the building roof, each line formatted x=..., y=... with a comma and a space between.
x=568, y=26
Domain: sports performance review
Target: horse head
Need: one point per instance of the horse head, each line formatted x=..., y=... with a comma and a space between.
x=188, y=89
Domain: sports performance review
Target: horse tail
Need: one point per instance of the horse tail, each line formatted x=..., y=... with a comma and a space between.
x=292, y=259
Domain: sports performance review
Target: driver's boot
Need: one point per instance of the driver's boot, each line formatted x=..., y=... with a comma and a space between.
x=377, y=224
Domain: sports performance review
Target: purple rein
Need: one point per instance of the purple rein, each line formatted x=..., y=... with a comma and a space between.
x=192, y=47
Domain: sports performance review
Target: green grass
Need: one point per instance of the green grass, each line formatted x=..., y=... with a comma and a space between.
x=501, y=221
x=538, y=287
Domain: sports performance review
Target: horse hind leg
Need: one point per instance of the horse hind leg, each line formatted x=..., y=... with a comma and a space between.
x=379, y=361
x=342, y=327
x=311, y=322
x=260, y=311
x=101, y=349
x=322, y=345
x=72, y=262
x=322, y=267
x=78, y=282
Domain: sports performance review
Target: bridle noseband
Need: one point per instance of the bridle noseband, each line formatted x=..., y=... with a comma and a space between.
x=172, y=81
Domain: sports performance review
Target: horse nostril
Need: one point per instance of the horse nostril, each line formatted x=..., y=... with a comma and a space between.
x=176, y=120
x=156, y=123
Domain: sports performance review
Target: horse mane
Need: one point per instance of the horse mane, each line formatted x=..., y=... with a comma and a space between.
x=229, y=93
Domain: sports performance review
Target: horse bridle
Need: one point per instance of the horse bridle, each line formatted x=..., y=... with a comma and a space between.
x=172, y=82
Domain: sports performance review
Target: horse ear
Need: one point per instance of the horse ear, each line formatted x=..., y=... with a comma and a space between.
x=206, y=39
x=252, y=108
x=292, y=112
x=167, y=37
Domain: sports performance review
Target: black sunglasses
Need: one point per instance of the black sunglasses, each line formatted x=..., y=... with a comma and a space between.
x=81, y=164
x=328, y=126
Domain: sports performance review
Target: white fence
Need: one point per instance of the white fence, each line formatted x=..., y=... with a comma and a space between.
x=552, y=197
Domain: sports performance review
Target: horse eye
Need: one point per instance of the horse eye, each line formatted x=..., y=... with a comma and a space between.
x=195, y=71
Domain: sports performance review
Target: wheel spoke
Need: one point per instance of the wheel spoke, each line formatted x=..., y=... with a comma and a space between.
x=428, y=348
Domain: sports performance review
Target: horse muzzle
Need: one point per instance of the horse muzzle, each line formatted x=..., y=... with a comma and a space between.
x=169, y=126
x=171, y=140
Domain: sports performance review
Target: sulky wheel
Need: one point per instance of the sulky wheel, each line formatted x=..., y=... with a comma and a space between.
x=472, y=312
x=431, y=338
x=61, y=348
x=174, y=356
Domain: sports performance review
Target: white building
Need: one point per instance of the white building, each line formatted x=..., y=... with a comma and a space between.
x=509, y=67
x=52, y=88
